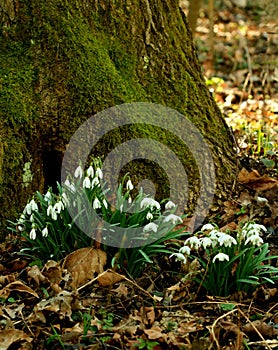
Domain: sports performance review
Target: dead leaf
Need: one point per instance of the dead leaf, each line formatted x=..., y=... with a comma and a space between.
x=35, y=274
x=121, y=290
x=265, y=329
x=82, y=264
x=11, y=336
x=155, y=333
x=108, y=278
x=18, y=287
x=255, y=181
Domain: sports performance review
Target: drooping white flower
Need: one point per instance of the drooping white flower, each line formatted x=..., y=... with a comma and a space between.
x=179, y=257
x=255, y=240
x=34, y=205
x=129, y=185
x=33, y=234
x=149, y=203
x=221, y=257
x=45, y=232
x=104, y=202
x=174, y=219
x=170, y=205
x=52, y=212
x=149, y=216
x=250, y=229
x=96, y=204
x=86, y=182
x=95, y=182
x=193, y=242
x=58, y=207
x=90, y=171
x=206, y=242
x=129, y=201
x=99, y=173
x=48, y=196
x=78, y=172
x=207, y=227
x=226, y=240
x=150, y=227
x=32, y=218
x=185, y=250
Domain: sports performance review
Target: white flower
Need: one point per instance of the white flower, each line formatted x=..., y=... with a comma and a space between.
x=78, y=172
x=173, y=218
x=95, y=182
x=65, y=198
x=33, y=205
x=99, y=173
x=221, y=257
x=193, y=242
x=90, y=171
x=48, y=196
x=179, y=257
x=33, y=234
x=226, y=240
x=104, y=202
x=51, y=212
x=150, y=227
x=250, y=229
x=58, y=207
x=86, y=182
x=45, y=232
x=149, y=203
x=69, y=185
x=129, y=201
x=149, y=216
x=185, y=250
x=207, y=227
x=96, y=204
x=129, y=185
x=206, y=242
x=32, y=218
x=170, y=205
x=121, y=208
x=255, y=240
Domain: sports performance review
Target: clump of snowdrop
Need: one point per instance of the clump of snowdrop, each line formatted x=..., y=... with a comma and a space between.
x=231, y=261
x=51, y=233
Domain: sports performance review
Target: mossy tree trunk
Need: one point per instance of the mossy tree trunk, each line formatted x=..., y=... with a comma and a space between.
x=62, y=61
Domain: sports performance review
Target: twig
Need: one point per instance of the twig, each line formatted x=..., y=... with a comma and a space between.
x=255, y=329
x=214, y=324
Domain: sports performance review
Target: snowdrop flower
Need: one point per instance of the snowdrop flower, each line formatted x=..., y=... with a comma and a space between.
x=170, y=205
x=48, y=196
x=121, y=208
x=65, y=198
x=69, y=185
x=149, y=203
x=95, y=182
x=78, y=172
x=150, y=227
x=129, y=201
x=129, y=185
x=86, y=182
x=96, y=204
x=58, y=207
x=52, y=212
x=99, y=173
x=252, y=229
x=149, y=216
x=221, y=257
x=30, y=207
x=226, y=240
x=193, y=242
x=185, y=250
x=206, y=242
x=255, y=240
x=207, y=227
x=90, y=171
x=33, y=205
x=174, y=219
x=45, y=232
x=104, y=202
x=179, y=257
x=33, y=234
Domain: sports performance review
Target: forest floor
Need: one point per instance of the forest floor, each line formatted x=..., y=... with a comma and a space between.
x=160, y=310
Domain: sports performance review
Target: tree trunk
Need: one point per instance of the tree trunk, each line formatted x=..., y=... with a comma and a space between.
x=63, y=61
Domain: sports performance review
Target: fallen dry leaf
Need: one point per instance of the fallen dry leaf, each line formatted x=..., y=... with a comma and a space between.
x=82, y=264
x=17, y=287
x=255, y=181
x=155, y=333
x=11, y=336
x=108, y=278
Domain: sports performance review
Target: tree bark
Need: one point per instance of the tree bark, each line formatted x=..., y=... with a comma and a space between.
x=63, y=61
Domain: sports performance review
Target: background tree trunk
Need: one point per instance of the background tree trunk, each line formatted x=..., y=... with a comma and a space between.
x=62, y=61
